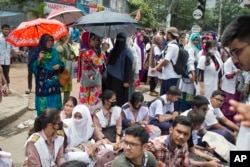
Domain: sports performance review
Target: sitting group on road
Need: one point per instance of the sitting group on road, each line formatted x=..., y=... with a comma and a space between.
x=116, y=127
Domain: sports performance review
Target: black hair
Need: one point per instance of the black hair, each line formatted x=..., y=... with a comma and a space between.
x=174, y=91
x=154, y=30
x=73, y=163
x=196, y=117
x=199, y=101
x=136, y=97
x=183, y=120
x=218, y=92
x=162, y=32
x=71, y=98
x=138, y=131
x=5, y=26
x=238, y=28
x=106, y=95
x=49, y=115
x=208, y=46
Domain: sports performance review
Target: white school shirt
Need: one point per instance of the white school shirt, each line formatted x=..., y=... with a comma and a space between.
x=210, y=76
x=212, y=116
x=171, y=54
x=156, y=107
x=228, y=85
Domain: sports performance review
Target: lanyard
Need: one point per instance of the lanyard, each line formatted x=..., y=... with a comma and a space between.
x=144, y=160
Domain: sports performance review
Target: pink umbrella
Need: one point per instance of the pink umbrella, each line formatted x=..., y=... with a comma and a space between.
x=66, y=15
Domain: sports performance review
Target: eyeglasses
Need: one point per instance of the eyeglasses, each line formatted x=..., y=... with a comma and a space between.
x=219, y=100
x=130, y=144
x=235, y=53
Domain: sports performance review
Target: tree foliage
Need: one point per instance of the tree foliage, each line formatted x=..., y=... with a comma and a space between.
x=230, y=11
x=147, y=18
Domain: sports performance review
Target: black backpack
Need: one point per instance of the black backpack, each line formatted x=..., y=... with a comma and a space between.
x=180, y=67
x=157, y=98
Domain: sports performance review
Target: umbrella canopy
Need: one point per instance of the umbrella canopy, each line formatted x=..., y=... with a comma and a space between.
x=107, y=23
x=28, y=33
x=66, y=15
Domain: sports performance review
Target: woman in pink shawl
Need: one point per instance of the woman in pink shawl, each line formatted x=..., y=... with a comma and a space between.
x=89, y=58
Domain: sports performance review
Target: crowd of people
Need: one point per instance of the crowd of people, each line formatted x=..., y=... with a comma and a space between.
x=109, y=110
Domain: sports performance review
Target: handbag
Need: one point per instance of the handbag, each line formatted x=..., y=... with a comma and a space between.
x=91, y=78
x=104, y=156
x=63, y=77
x=110, y=133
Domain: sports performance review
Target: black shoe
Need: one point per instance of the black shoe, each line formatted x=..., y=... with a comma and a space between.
x=28, y=91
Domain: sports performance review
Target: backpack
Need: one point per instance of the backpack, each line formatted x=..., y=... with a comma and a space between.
x=157, y=98
x=180, y=67
x=104, y=157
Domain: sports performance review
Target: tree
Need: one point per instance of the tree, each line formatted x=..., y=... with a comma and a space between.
x=147, y=18
x=230, y=11
x=182, y=11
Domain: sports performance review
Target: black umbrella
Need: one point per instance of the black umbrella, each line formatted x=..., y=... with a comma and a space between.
x=107, y=23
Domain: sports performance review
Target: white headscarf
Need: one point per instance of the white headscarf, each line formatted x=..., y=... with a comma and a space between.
x=79, y=131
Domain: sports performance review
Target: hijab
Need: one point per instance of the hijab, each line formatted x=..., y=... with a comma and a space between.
x=79, y=131
x=157, y=41
x=120, y=44
x=197, y=48
x=42, y=43
x=85, y=39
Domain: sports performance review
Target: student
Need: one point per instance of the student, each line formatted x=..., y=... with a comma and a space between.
x=135, y=112
x=44, y=146
x=79, y=130
x=68, y=106
x=216, y=121
x=158, y=109
x=134, y=146
x=236, y=37
x=172, y=149
x=197, y=118
x=108, y=120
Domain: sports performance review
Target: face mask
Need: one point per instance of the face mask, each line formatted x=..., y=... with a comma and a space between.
x=113, y=103
x=211, y=51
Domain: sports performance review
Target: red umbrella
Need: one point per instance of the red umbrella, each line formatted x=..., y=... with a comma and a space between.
x=66, y=15
x=28, y=33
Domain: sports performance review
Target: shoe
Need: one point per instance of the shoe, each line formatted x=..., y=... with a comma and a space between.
x=155, y=91
x=28, y=91
x=153, y=94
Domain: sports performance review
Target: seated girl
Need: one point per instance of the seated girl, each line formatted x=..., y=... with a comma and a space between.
x=107, y=119
x=79, y=130
x=68, y=106
x=134, y=112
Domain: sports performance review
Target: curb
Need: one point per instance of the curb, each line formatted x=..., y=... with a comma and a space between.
x=17, y=111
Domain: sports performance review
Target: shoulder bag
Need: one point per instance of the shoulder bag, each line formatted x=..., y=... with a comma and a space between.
x=91, y=78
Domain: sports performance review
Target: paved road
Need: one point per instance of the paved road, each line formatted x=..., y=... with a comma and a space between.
x=15, y=143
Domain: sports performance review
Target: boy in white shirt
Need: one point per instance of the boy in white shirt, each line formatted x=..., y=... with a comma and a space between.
x=161, y=110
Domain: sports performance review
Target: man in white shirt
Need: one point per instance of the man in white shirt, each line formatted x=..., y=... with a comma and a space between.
x=162, y=112
x=169, y=76
x=6, y=50
x=216, y=121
